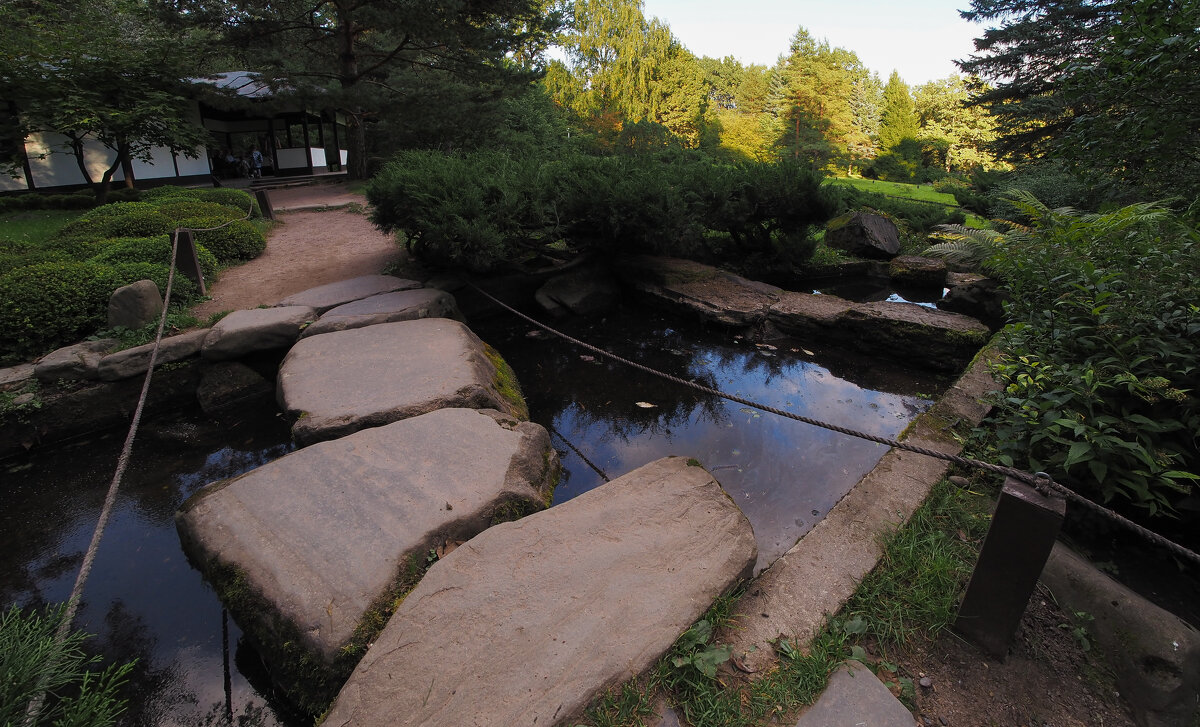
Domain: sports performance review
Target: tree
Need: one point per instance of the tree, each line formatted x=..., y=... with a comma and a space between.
x=961, y=133
x=129, y=92
x=898, y=118
x=1107, y=85
x=367, y=58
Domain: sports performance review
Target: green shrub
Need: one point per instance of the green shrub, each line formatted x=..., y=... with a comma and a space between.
x=52, y=304
x=69, y=202
x=124, y=194
x=237, y=241
x=182, y=288
x=78, y=691
x=157, y=194
x=182, y=208
x=155, y=250
x=120, y=219
x=236, y=198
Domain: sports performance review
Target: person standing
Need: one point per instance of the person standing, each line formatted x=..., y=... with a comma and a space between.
x=256, y=163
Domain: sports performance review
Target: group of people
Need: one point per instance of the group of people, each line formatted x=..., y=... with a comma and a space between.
x=250, y=166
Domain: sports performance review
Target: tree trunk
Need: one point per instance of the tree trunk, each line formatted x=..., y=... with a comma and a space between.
x=356, y=146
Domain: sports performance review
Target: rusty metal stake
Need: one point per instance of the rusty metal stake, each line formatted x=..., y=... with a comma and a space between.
x=1024, y=527
x=186, y=260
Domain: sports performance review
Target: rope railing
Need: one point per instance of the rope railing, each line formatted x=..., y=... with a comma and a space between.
x=85, y=569
x=1042, y=481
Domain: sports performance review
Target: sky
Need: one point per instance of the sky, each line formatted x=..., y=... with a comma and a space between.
x=918, y=38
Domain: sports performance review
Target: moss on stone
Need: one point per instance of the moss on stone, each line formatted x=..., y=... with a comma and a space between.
x=506, y=384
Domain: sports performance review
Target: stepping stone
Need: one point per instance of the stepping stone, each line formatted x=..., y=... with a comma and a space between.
x=341, y=382
x=134, y=361
x=80, y=362
x=529, y=621
x=404, y=305
x=324, y=297
x=855, y=696
x=301, y=548
x=258, y=329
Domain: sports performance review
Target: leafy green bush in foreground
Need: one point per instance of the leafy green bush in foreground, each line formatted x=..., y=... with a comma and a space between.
x=1101, y=370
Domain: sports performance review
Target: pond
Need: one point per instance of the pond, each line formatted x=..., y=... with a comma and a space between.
x=145, y=601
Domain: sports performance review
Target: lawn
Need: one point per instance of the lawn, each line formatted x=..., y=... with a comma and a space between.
x=33, y=226
x=898, y=189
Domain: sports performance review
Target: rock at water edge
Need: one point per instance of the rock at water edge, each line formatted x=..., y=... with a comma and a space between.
x=404, y=305
x=529, y=621
x=324, y=297
x=259, y=329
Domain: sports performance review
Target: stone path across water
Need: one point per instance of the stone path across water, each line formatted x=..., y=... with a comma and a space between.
x=531, y=620
x=318, y=535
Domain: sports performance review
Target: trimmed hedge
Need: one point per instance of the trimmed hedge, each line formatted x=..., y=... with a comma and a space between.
x=156, y=250
x=52, y=304
x=120, y=219
x=235, y=198
x=239, y=240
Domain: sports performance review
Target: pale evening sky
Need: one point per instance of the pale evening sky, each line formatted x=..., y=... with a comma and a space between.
x=919, y=38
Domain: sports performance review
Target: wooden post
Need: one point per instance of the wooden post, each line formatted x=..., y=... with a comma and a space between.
x=186, y=260
x=264, y=203
x=1024, y=528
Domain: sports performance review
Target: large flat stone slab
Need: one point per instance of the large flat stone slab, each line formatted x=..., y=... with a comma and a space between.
x=324, y=297
x=135, y=361
x=259, y=329
x=855, y=697
x=712, y=293
x=344, y=381
x=301, y=548
x=403, y=305
x=529, y=621
x=928, y=336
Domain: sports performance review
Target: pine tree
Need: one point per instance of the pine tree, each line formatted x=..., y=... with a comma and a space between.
x=898, y=119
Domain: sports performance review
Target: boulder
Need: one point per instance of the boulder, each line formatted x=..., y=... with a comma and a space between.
x=531, y=620
x=134, y=361
x=983, y=299
x=919, y=272
x=229, y=383
x=1154, y=655
x=864, y=234
x=341, y=382
x=405, y=305
x=259, y=329
x=581, y=292
x=303, y=548
x=80, y=362
x=324, y=297
x=135, y=305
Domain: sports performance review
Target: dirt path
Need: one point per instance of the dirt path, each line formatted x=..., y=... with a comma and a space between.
x=306, y=249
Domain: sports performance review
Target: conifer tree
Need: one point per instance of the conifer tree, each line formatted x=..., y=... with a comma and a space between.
x=898, y=119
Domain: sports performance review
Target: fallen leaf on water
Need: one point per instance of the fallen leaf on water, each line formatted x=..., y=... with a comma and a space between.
x=767, y=346
x=807, y=352
x=645, y=404
x=587, y=358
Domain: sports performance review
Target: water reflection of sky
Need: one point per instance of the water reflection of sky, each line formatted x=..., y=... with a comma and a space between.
x=143, y=600
x=785, y=475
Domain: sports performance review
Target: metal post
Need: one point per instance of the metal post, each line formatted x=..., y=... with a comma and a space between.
x=1024, y=528
x=264, y=204
x=186, y=260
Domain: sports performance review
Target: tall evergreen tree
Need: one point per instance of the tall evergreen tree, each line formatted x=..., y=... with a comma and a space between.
x=960, y=132
x=898, y=118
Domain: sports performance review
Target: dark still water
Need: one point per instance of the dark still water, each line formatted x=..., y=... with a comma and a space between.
x=785, y=475
x=145, y=602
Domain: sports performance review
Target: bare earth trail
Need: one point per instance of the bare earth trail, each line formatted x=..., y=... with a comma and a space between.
x=307, y=248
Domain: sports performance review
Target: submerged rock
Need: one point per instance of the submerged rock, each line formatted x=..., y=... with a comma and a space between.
x=305, y=549
x=581, y=292
x=529, y=621
x=341, y=382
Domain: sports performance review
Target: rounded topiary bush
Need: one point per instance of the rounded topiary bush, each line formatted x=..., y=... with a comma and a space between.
x=120, y=219
x=235, y=198
x=182, y=208
x=235, y=242
x=52, y=304
x=156, y=250
x=160, y=193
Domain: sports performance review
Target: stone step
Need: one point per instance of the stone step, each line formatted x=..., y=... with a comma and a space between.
x=331, y=295
x=529, y=621
x=302, y=548
x=340, y=382
x=402, y=305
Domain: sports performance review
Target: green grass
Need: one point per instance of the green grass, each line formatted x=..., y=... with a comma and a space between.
x=898, y=189
x=911, y=595
x=34, y=227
